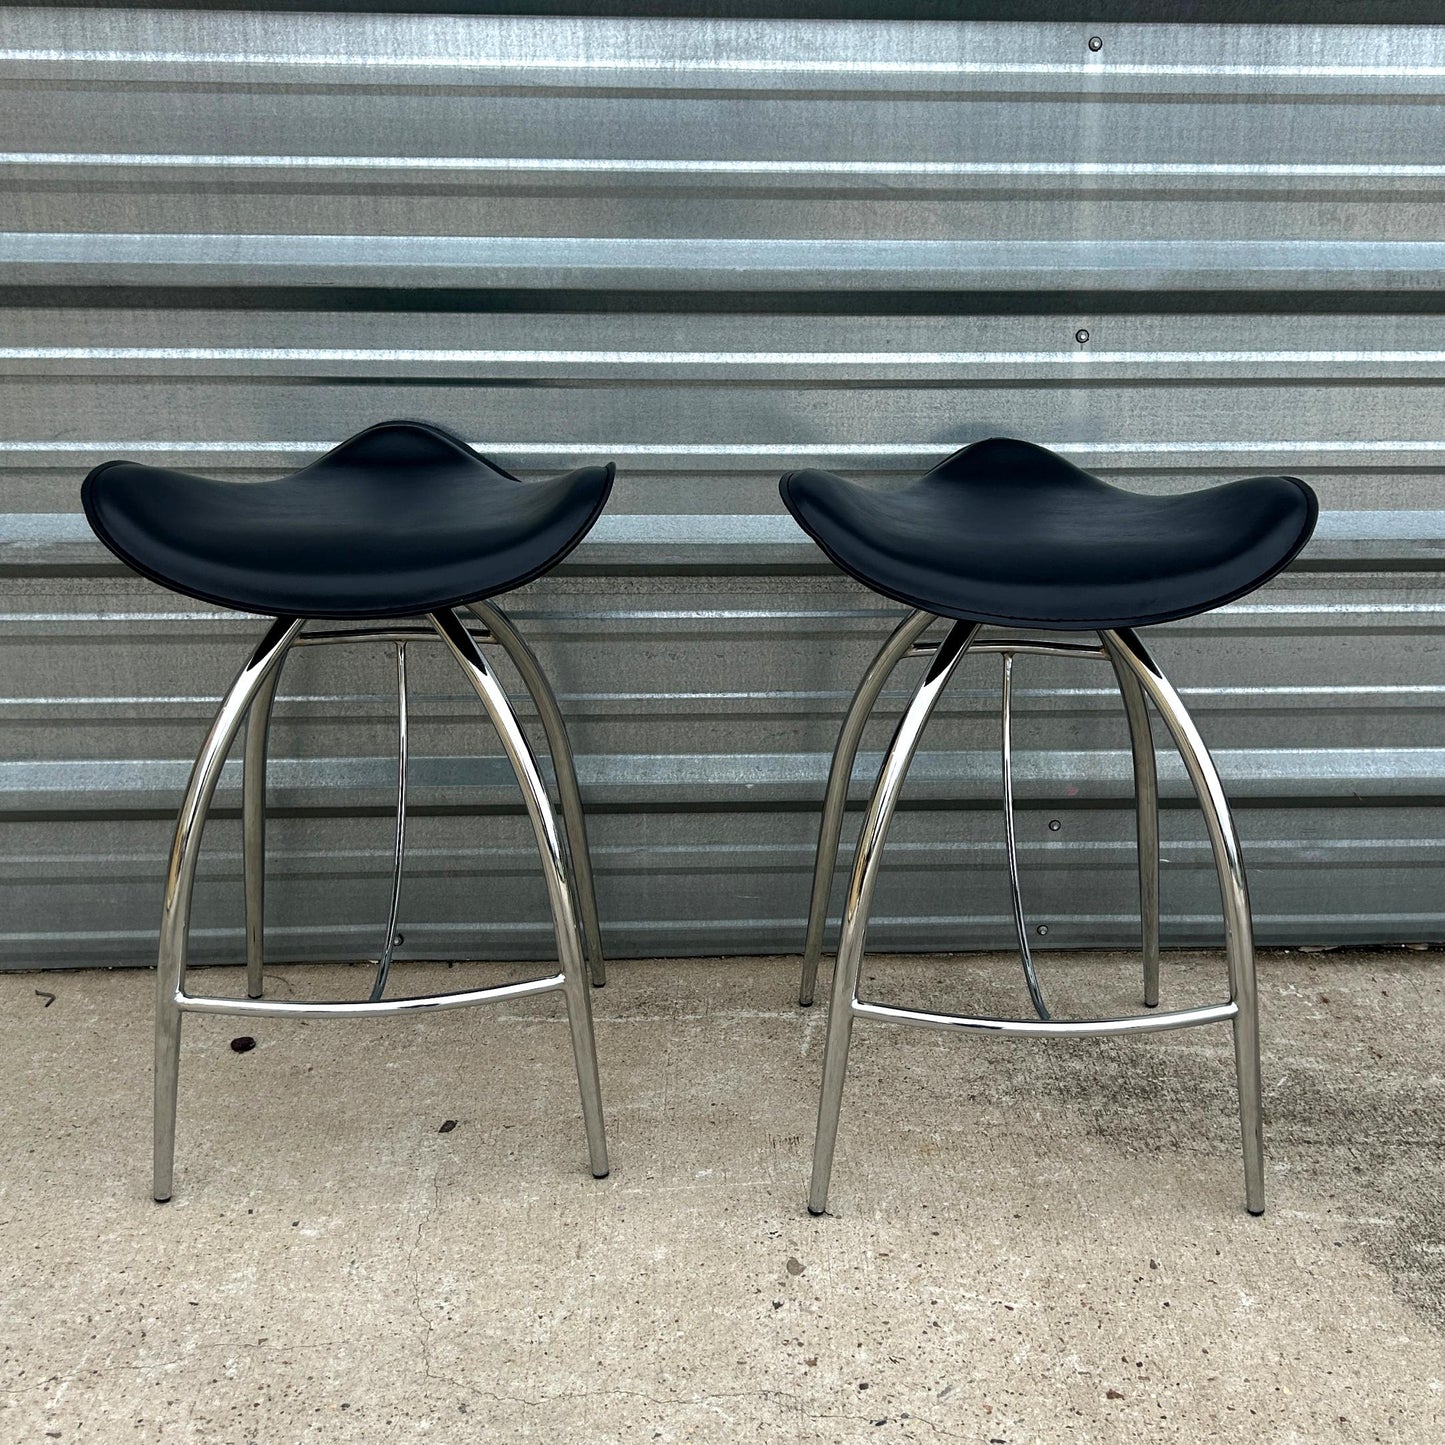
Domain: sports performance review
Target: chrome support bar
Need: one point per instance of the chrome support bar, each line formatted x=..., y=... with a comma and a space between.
x=860, y=894
x=1146, y=819
x=899, y=645
x=253, y=823
x=253, y=800
x=371, y=1008
x=380, y=634
x=1049, y=1028
x=555, y=871
x=180, y=880
x=1021, y=927
x=1025, y=646
x=388, y=942
x=1125, y=645
x=500, y=629
x=383, y=964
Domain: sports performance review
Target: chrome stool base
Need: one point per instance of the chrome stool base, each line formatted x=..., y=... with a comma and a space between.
x=1140, y=682
x=564, y=854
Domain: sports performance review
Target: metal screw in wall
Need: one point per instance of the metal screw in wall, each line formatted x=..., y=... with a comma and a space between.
x=1054, y=825
x=1042, y=930
x=1081, y=336
x=1096, y=42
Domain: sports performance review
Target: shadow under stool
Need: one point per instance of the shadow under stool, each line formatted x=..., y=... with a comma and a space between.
x=400, y=526
x=1008, y=535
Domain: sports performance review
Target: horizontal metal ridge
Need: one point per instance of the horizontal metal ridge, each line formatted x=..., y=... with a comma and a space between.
x=718, y=707
x=790, y=56
x=1386, y=454
x=741, y=780
x=1064, y=365
x=725, y=175
x=750, y=264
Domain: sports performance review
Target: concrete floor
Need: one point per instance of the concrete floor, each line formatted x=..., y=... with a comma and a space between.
x=1032, y=1242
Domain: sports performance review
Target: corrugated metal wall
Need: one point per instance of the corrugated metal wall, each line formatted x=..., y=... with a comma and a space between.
x=714, y=250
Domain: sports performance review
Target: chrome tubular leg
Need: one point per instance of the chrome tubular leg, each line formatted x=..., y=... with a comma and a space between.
x=1146, y=817
x=864, y=877
x=388, y=943
x=180, y=879
x=1021, y=928
x=1020, y=924
x=835, y=800
x=1234, y=891
x=253, y=827
x=554, y=868
x=558, y=744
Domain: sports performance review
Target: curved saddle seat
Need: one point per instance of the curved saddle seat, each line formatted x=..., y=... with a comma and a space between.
x=1008, y=533
x=403, y=518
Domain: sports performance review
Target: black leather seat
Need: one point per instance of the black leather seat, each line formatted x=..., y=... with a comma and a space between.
x=1009, y=533
x=403, y=518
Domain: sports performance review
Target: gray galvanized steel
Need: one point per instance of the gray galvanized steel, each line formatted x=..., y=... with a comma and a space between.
x=713, y=251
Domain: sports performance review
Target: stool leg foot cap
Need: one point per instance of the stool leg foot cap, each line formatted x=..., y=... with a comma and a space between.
x=162, y=1198
x=602, y=1175
x=1256, y=1213
x=816, y=1213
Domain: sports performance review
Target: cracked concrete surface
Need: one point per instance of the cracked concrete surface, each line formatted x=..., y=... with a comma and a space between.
x=1032, y=1241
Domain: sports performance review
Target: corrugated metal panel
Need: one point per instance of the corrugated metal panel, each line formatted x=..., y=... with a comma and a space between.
x=714, y=250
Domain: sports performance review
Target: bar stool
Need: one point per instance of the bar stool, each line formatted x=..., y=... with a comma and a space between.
x=403, y=521
x=1007, y=534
